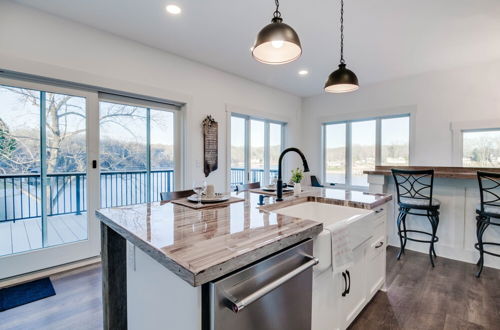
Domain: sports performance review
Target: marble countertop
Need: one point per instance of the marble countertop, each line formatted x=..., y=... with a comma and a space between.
x=202, y=245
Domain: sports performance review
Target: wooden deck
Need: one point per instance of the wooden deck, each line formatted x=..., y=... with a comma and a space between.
x=26, y=235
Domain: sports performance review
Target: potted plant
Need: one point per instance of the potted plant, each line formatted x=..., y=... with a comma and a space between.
x=297, y=176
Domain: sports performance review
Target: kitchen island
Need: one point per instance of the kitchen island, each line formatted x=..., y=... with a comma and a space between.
x=158, y=257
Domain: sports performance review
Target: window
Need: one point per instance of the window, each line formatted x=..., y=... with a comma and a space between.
x=355, y=146
x=395, y=144
x=481, y=148
x=362, y=151
x=137, y=153
x=335, y=153
x=255, y=148
x=257, y=158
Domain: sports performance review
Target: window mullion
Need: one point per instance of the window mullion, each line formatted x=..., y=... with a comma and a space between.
x=247, y=150
x=348, y=155
x=148, y=154
x=266, y=152
x=378, y=142
x=43, y=166
x=324, y=157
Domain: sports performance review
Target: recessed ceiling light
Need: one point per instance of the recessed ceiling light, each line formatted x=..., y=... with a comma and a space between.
x=174, y=9
x=303, y=72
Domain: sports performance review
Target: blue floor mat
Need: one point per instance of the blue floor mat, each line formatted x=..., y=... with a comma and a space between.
x=25, y=293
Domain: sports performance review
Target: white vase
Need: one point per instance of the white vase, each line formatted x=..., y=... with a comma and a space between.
x=297, y=189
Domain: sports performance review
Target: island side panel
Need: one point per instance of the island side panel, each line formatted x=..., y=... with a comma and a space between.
x=158, y=298
x=114, y=279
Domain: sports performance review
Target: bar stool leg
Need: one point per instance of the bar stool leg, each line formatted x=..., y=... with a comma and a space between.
x=434, y=220
x=402, y=220
x=437, y=225
x=405, y=239
x=482, y=224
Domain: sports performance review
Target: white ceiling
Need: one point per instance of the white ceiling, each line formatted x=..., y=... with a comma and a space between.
x=385, y=39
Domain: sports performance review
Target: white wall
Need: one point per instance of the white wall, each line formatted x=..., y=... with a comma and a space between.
x=57, y=48
x=438, y=98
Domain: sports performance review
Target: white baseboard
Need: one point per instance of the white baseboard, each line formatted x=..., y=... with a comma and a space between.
x=48, y=272
x=450, y=252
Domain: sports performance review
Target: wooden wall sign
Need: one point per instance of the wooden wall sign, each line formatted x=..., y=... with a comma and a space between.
x=210, y=145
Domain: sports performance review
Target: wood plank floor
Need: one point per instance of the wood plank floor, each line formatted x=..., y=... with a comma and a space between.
x=447, y=297
x=77, y=305
x=25, y=235
x=418, y=297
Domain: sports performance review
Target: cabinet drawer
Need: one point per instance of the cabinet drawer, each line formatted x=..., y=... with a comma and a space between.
x=378, y=242
x=380, y=216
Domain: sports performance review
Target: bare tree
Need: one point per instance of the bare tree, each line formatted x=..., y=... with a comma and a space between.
x=66, y=147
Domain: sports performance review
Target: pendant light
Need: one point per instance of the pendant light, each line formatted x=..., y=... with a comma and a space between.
x=341, y=80
x=277, y=43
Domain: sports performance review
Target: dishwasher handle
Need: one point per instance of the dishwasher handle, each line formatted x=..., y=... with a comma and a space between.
x=237, y=305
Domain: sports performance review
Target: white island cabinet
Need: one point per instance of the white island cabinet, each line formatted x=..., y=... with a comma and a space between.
x=335, y=306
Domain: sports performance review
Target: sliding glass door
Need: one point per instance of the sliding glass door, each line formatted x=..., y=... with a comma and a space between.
x=51, y=139
x=138, y=151
x=255, y=148
x=43, y=177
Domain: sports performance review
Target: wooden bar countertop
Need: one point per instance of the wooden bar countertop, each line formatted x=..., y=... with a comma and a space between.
x=203, y=245
x=439, y=171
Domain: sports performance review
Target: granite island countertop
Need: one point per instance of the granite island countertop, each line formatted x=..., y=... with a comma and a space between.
x=203, y=245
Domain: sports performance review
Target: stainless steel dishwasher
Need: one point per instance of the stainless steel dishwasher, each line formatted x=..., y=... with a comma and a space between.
x=275, y=293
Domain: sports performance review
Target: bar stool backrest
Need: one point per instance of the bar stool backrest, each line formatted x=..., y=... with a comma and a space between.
x=416, y=184
x=171, y=195
x=489, y=189
x=243, y=187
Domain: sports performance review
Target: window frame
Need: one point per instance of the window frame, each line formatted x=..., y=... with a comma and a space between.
x=55, y=255
x=19, y=264
x=247, y=144
x=155, y=106
x=459, y=129
x=348, y=143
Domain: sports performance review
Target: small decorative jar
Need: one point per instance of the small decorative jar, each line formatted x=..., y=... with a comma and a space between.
x=297, y=189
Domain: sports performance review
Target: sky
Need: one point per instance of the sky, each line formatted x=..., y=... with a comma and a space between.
x=256, y=132
x=394, y=131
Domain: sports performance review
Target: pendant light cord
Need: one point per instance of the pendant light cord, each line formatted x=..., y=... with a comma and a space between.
x=342, y=32
x=277, y=14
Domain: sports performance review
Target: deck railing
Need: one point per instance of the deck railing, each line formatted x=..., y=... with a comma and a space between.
x=256, y=175
x=20, y=195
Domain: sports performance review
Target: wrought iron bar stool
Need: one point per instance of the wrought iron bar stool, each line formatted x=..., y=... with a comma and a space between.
x=489, y=188
x=414, y=190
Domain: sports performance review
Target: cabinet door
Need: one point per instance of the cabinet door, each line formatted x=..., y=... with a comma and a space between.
x=354, y=301
x=375, y=275
x=327, y=288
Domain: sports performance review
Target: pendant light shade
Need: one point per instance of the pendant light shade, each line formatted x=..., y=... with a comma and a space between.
x=341, y=80
x=277, y=43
